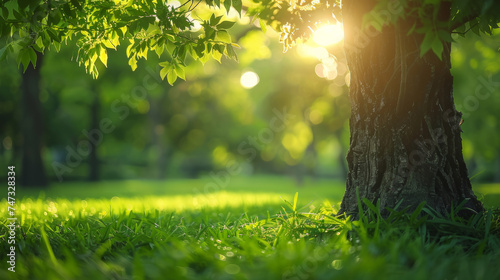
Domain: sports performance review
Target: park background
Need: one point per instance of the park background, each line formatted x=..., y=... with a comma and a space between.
x=269, y=114
x=195, y=179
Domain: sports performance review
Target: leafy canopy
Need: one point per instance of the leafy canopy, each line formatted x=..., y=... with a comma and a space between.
x=28, y=27
x=298, y=19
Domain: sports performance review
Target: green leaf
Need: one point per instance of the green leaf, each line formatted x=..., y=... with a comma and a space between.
x=3, y=52
x=445, y=35
x=163, y=72
x=159, y=49
x=123, y=30
x=437, y=47
x=238, y=6
x=171, y=77
x=227, y=5
x=23, y=4
x=39, y=42
x=181, y=54
x=215, y=20
x=5, y=13
x=200, y=49
x=130, y=48
x=93, y=54
x=203, y=59
x=103, y=56
x=133, y=63
x=57, y=46
x=427, y=43
x=165, y=64
x=225, y=25
x=231, y=53
x=33, y=57
x=219, y=48
x=17, y=15
x=223, y=36
x=180, y=72
x=209, y=33
x=53, y=35
x=24, y=58
x=216, y=55
x=108, y=44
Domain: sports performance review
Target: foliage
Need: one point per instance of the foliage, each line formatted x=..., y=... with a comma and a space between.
x=154, y=26
x=297, y=20
x=96, y=27
x=138, y=238
x=475, y=67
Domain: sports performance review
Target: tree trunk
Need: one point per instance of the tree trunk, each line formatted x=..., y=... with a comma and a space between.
x=341, y=158
x=405, y=131
x=32, y=170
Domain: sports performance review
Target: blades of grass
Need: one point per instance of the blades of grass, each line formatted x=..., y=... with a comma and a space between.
x=47, y=246
x=487, y=225
x=361, y=213
x=370, y=205
x=475, y=220
x=296, y=196
x=278, y=235
x=201, y=231
x=373, y=209
x=417, y=211
x=103, y=249
x=88, y=235
x=398, y=204
x=263, y=242
x=138, y=227
x=477, y=174
x=305, y=206
x=454, y=210
x=433, y=213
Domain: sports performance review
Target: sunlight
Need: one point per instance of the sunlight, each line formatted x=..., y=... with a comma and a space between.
x=328, y=35
x=249, y=79
x=308, y=51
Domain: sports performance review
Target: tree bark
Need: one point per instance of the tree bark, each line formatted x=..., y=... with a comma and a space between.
x=342, y=156
x=32, y=169
x=405, y=140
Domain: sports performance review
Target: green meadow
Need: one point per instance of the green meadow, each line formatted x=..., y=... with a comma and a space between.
x=251, y=228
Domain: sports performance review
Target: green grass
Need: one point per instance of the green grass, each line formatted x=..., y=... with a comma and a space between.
x=176, y=230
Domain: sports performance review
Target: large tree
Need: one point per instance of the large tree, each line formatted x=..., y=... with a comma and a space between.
x=405, y=131
x=405, y=142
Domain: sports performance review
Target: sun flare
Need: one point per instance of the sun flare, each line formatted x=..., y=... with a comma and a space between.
x=328, y=35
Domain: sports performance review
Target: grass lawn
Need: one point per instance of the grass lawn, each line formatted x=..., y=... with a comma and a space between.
x=194, y=229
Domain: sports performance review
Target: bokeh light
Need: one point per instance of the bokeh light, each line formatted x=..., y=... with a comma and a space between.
x=328, y=35
x=249, y=79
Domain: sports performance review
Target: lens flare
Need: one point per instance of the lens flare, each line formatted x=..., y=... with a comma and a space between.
x=328, y=35
x=249, y=79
